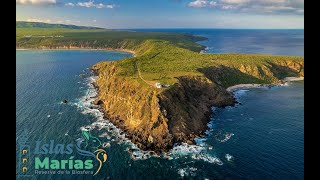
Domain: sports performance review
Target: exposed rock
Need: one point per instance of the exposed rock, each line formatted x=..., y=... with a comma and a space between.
x=98, y=102
x=65, y=101
x=189, y=105
x=156, y=119
x=130, y=150
x=189, y=142
x=150, y=139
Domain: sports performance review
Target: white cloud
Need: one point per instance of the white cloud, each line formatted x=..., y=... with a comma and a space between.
x=91, y=4
x=235, y=1
x=202, y=3
x=255, y=6
x=86, y=4
x=69, y=4
x=36, y=2
x=38, y=20
x=110, y=6
x=54, y=21
x=198, y=3
x=227, y=7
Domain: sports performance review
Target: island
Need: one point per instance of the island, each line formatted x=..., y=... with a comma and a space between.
x=164, y=94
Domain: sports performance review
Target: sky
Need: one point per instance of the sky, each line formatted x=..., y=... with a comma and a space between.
x=126, y=14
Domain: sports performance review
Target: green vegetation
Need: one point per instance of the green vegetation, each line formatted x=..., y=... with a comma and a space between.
x=163, y=62
x=155, y=118
x=24, y=24
x=97, y=38
x=162, y=57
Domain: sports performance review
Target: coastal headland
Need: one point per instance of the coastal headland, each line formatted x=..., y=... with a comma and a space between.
x=164, y=94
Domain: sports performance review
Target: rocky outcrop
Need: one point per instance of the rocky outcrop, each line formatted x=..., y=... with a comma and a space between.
x=156, y=119
x=264, y=73
x=134, y=108
x=187, y=106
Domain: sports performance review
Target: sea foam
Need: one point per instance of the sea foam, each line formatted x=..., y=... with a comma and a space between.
x=188, y=171
x=108, y=130
x=111, y=134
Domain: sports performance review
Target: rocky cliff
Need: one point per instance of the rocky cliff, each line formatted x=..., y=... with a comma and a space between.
x=155, y=119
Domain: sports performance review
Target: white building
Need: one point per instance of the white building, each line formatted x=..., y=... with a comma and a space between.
x=158, y=85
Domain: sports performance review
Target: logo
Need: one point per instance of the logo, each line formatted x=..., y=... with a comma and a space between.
x=96, y=143
x=50, y=158
x=24, y=155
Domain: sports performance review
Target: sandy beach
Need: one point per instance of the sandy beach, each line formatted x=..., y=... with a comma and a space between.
x=288, y=79
x=243, y=86
x=247, y=86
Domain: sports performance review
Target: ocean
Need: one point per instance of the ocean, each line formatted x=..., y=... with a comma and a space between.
x=247, y=41
x=263, y=138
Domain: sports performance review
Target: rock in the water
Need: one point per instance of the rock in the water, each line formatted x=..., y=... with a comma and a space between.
x=82, y=75
x=65, y=101
x=130, y=150
x=189, y=142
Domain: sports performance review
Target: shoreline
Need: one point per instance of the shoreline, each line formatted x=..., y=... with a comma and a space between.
x=130, y=136
x=249, y=86
x=77, y=48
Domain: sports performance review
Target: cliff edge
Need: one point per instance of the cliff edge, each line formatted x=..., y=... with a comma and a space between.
x=160, y=104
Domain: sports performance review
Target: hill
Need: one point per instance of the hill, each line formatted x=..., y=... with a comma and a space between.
x=25, y=24
x=164, y=94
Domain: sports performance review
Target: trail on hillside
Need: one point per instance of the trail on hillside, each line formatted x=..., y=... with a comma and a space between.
x=140, y=76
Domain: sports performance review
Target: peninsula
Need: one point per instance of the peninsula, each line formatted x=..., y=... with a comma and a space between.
x=164, y=94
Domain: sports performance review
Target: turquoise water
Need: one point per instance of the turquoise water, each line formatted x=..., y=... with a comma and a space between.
x=261, y=139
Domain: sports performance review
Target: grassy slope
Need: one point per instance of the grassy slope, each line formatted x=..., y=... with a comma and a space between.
x=157, y=118
x=164, y=62
x=97, y=38
x=25, y=24
x=162, y=56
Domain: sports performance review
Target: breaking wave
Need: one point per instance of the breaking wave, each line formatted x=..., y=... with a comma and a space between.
x=188, y=171
x=113, y=135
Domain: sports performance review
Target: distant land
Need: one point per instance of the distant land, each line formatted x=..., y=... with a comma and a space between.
x=26, y=24
x=164, y=94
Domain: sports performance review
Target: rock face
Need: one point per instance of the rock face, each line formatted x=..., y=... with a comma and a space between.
x=134, y=108
x=155, y=119
x=187, y=106
x=98, y=102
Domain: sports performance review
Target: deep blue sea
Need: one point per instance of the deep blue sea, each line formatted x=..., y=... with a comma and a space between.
x=261, y=139
x=247, y=41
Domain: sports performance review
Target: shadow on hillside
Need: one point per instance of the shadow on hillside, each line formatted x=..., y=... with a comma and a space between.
x=226, y=76
x=281, y=72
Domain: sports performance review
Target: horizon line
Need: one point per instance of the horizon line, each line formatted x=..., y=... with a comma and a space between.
x=251, y=28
